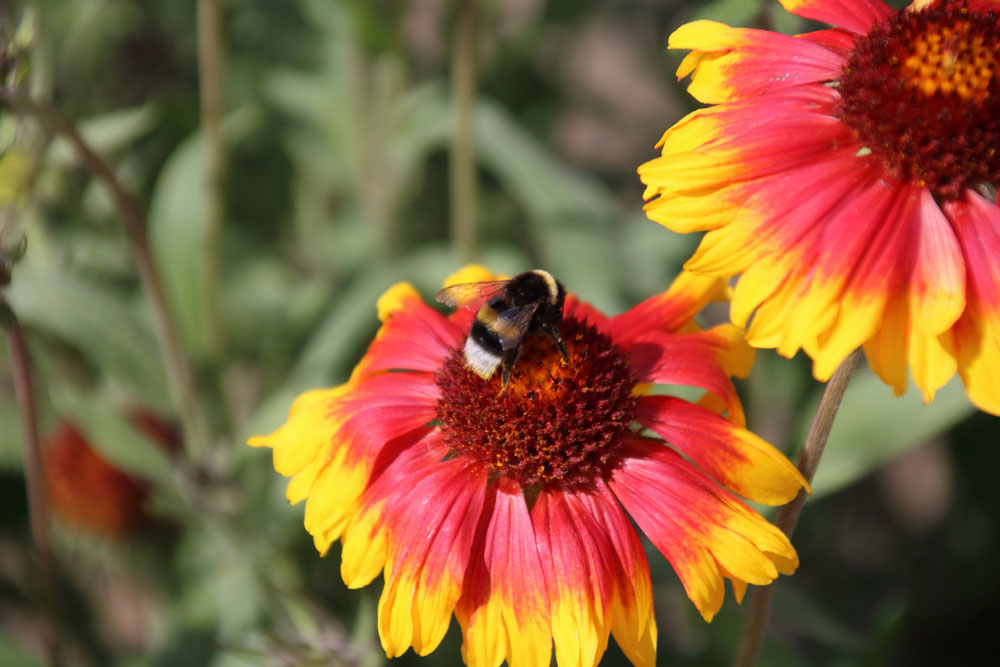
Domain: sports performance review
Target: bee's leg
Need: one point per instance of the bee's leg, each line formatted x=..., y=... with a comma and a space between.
x=507, y=365
x=553, y=333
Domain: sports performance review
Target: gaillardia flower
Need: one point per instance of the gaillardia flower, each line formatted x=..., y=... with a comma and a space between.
x=850, y=177
x=508, y=506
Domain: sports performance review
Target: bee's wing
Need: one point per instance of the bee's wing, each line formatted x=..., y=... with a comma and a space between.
x=470, y=295
x=518, y=320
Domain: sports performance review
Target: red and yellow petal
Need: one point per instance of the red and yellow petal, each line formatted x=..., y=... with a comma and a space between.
x=365, y=539
x=670, y=310
x=576, y=564
x=705, y=532
x=595, y=575
x=413, y=336
x=977, y=332
x=915, y=328
x=307, y=433
x=574, y=308
x=804, y=295
x=837, y=40
x=869, y=273
x=717, y=159
x=692, y=360
x=431, y=523
x=332, y=439
x=736, y=458
x=380, y=408
x=746, y=140
x=937, y=285
x=633, y=624
x=308, y=449
x=858, y=16
x=504, y=610
x=730, y=64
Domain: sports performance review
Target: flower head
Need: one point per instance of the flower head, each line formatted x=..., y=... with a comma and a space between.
x=86, y=490
x=850, y=176
x=507, y=506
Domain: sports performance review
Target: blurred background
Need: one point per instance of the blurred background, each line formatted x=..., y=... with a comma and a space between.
x=325, y=179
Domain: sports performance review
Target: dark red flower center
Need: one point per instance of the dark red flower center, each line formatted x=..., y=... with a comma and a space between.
x=922, y=92
x=557, y=420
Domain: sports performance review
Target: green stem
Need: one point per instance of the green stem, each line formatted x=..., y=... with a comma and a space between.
x=34, y=478
x=760, y=605
x=210, y=88
x=178, y=368
x=463, y=174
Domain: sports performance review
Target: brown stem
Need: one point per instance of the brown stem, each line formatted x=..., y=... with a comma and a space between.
x=179, y=374
x=760, y=604
x=463, y=143
x=210, y=86
x=34, y=477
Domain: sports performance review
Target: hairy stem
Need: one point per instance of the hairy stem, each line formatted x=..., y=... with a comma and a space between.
x=178, y=368
x=463, y=142
x=210, y=88
x=760, y=604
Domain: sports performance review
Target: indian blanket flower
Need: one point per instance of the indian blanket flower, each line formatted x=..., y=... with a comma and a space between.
x=849, y=175
x=508, y=507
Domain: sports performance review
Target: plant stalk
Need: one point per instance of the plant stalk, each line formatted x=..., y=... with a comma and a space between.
x=463, y=174
x=179, y=374
x=210, y=90
x=34, y=478
x=760, y=604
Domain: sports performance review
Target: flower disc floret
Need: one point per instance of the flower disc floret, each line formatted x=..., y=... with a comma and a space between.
x=557, y=420
x=922, y=92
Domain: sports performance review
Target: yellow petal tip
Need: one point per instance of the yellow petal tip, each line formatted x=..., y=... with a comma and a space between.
x=470, y=273
x=395, y=299
x=258, y=441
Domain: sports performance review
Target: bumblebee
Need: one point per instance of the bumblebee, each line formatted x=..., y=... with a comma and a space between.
x=508, y=310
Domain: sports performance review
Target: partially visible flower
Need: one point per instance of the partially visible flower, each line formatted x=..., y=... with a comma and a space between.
x=850, y=177
x=87, y=491
x=508, y=507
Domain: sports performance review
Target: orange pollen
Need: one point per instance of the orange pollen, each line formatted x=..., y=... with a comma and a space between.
x=952, y=59
x=557, y=420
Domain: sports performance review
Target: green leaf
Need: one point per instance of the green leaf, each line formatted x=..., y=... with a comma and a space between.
x=652, y=256
x=107, y=133
x=176, y=233
x=114, y=437
x=95, y=321
x=547, y=188
x=221, y=581
x=874, y=426
x=572, y=251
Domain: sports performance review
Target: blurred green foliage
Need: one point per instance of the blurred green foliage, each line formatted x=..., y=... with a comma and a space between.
x=336, y=127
